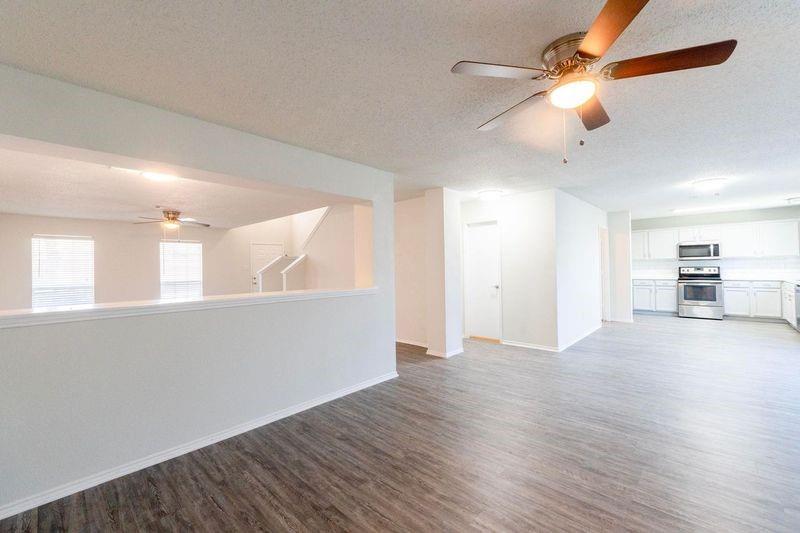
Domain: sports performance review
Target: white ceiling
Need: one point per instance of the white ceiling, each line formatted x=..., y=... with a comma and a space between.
x=369, y=81
x=34, y=184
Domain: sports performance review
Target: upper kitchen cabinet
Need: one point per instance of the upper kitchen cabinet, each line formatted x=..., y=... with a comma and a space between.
x=699, y=234
x=639, y=245
x=662, y=244
x=738, y=240
x=778, y=238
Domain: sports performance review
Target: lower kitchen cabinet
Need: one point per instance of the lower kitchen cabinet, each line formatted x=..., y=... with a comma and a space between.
x=655, y=295
x=789, y=306
x=667, y=296
x=767, y=303
x=643, y=297
x=757, y=298
x=736, y=300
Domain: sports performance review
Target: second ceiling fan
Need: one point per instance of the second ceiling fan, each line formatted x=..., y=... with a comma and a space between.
x=569, y=60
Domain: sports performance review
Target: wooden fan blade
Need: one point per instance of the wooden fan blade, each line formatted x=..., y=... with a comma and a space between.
x=193, y=223
x=492, y=70
x=695, y=57
x=592, y=114
x=151, y=218
x=502, y=117
x=612, y=20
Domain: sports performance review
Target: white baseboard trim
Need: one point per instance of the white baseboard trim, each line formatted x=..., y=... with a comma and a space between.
x=562, y=347
x=412, y=343
x=30, y=502
x=529, y=345
x=445, y=355
x=558, y=349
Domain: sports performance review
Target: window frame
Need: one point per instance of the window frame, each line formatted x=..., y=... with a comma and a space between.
x=175, y=293
x=80, y=296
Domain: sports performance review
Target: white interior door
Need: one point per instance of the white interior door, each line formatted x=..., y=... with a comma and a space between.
x=260, y=255
x=482, y=280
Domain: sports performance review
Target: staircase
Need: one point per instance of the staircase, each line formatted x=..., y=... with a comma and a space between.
x=284, y=273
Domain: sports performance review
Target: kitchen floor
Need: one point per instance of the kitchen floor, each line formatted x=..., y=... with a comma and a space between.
x=666, y=424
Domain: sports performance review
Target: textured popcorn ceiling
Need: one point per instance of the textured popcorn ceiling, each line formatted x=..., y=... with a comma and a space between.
x=35, y=184
x=369, y=81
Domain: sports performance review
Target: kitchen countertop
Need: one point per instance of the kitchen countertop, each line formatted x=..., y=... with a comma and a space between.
x=793, y=278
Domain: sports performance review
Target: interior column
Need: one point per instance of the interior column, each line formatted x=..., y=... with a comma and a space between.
x=443, y=306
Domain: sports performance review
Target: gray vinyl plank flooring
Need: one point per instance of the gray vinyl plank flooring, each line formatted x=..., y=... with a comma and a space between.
x=665, y=424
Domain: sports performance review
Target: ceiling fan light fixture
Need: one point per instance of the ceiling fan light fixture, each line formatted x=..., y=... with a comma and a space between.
x=171, y=224
x=572, y=92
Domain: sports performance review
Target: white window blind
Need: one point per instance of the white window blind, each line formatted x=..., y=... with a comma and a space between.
x=181, y=270
x=63, y=271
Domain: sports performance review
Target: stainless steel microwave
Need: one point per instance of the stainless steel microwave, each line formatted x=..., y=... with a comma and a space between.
x=693, y=251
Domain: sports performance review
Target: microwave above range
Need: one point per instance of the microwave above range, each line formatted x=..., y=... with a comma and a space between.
x=694, y=251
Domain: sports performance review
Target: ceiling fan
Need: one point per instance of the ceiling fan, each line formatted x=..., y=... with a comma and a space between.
x=172, y=219
x=569, y=61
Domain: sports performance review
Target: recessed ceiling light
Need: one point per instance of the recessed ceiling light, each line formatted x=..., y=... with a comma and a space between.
x=490, y=194
x=158, y=176
x=709, y=184
x=709, y=208
x=794, y=200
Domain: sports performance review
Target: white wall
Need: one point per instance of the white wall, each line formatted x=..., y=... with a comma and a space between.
x=580, y=288
x=85, y=401
x=550, y=266
x=528, y=268
x=619, y=244
x=409, y=250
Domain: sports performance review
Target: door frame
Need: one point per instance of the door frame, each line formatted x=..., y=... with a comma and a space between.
x=605, y=274
x=250, y=256
x=464, y=238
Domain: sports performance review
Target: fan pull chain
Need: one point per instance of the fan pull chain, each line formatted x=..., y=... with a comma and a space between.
x=564, y=135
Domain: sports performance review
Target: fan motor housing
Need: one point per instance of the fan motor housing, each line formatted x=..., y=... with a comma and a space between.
x=559, y=56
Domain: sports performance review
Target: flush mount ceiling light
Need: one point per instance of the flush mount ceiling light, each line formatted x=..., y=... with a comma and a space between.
x=572, y=92
x=709, y=208
x=709, y=184
x=794, y=200
x=490, y=194
x=158, y=176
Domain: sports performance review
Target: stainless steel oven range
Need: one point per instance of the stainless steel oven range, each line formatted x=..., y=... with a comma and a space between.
x=700, y=292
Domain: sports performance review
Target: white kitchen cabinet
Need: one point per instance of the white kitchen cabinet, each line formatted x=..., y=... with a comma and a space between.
x=708, y=233
x=687, y=234
x=644, y=295
x=779, y=238
x=662, y=244
x=737, y=240
x=736, y=300
x=767, y=303
x=667, y=297
x=638, y=245
x=788, y=303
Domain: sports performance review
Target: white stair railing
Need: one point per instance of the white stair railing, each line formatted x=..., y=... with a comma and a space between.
x=269, y=277
x=294, y=275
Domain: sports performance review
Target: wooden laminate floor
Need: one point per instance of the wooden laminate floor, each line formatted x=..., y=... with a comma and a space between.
x=663, y=425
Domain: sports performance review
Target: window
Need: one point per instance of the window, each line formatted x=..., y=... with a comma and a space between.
x=181, y=270
x=63, y=271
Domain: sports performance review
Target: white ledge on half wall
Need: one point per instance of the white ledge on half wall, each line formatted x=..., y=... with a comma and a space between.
x=16, y=318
